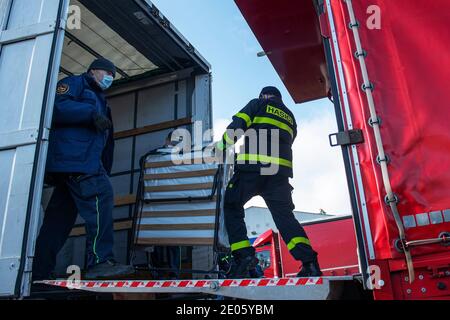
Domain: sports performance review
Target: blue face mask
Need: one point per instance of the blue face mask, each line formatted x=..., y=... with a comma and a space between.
x=106, y=82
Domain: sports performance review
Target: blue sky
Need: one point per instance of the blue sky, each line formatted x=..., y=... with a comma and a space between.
x=218, y=31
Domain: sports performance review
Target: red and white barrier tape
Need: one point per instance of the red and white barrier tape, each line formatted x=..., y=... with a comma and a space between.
x=208, y=284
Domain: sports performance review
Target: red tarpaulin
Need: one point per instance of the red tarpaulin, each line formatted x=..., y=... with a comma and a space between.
x=409, y=63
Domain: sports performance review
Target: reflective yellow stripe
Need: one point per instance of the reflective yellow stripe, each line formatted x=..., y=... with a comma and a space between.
x=276, y=123
x=245, y=117
x=295, y=241
x=228, y=139
x=263, y=158
x=240, y=245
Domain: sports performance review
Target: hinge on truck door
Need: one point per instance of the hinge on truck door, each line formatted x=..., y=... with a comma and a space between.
x=346, y=138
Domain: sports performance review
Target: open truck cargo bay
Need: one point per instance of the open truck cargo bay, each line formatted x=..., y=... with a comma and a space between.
x=162, y=84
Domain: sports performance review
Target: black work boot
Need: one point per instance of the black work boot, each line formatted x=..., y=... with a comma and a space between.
x=241, y=267
x=109, y=269
x=310, y=269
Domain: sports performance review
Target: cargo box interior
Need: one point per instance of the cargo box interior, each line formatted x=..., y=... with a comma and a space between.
x=162, y=83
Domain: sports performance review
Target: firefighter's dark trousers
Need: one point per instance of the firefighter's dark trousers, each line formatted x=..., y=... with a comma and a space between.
x=277, y=193
x=92, y=197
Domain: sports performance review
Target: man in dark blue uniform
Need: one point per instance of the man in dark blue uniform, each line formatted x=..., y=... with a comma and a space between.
x=264, y=168
x=79, y=161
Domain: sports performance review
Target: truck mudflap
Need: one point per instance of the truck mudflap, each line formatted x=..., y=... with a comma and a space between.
x=322, y=288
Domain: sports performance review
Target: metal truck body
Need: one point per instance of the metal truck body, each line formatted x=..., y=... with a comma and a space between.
x=384, y=63
x=163, y=83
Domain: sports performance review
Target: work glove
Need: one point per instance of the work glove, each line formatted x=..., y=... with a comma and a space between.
x=102, y=123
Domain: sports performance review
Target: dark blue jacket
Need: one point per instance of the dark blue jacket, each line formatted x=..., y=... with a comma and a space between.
x=75, y=145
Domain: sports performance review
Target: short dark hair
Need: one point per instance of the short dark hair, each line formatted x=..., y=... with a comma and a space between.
x=272, y=91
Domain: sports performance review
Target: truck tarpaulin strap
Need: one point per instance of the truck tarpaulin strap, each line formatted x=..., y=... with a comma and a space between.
x=407, y=86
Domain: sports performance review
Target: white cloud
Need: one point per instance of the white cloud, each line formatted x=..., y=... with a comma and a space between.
x=319, y=177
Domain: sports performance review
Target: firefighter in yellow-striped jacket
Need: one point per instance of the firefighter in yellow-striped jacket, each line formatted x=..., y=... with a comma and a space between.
x=263, y=167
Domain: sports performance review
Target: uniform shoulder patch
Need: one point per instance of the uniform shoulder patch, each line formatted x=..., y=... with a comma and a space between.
x=63, y=88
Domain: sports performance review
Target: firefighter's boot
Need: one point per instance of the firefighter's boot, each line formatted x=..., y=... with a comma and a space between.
x=310, y=269
x=241, y=267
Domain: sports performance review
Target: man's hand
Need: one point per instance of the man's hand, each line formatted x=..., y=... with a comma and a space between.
x=102, y=123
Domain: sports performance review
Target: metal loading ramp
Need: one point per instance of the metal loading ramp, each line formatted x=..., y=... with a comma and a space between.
x=323, y=288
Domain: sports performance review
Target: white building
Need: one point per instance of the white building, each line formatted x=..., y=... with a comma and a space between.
x=259, y=220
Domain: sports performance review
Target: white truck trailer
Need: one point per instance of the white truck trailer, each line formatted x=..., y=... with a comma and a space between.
x=162, y=83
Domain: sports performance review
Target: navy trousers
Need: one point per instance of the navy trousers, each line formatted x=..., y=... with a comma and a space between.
x=92, y=197
x=277, y=193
